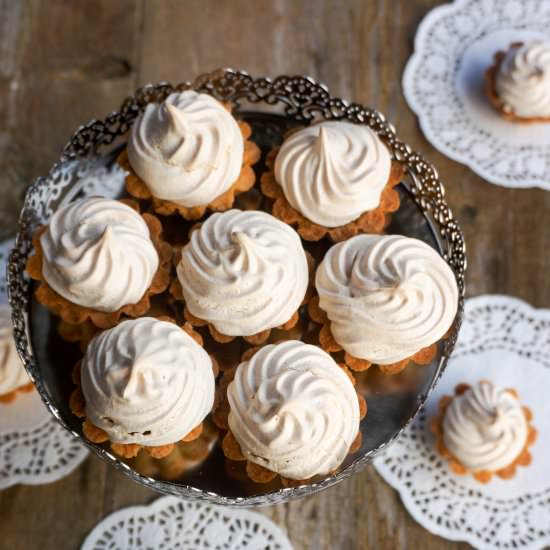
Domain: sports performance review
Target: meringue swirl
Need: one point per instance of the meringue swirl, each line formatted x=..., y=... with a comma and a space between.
x=293, y=410
x=188, y=150
x=387, y=297
x=147, y=381
x=333, y=172
x=12, y=372
x=523, y=80
x=244, y=272
x=98, y=253
x=485, y=428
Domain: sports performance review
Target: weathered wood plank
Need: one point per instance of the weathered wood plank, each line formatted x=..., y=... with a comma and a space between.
x=63, y=65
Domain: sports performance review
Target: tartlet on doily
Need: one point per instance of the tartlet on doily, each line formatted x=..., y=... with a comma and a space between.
x=146, y=360
x=242, y=273
x=13, y=377
x=137, y=250
x=11, y=396
x=518, y=82
x=303, y=385
x=384, y=300
x=188, y=155
x=323, y=190
x=483, y=430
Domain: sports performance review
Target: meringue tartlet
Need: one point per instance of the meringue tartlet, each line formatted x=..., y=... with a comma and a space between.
x=98, y=259
x=384, y=300
x=333, y=178
x=144, y=383
x=293, y=411
x=518, y=82
x=188, y=154
x=243, y=273
x=13, y=376
x=484, y=430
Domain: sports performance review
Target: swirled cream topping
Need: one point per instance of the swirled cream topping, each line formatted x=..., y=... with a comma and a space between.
x=485, y=428
x=333, y=172
x=523, y=80
x=293, y=410
x=12, y=372
x=147, y=381
x=387, y=297
x=244, y=272
x=188, y=149
x=98, y=253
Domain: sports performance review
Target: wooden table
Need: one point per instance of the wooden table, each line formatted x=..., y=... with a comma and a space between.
x=63, y=63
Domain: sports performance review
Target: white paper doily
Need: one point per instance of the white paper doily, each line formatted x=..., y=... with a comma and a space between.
x=508, y=342
x=173, y=524
x=34, y=448
x=443, y=85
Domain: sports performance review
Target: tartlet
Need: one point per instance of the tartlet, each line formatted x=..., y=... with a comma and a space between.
x=333, y=178
x=483, y=430
x=146, y=383
x=184, y=457
x=518, y=82
x=384, y=300
x=188, y=154
x=242, y=273
x=13, y=377
x=99, y=259
x=290, y=411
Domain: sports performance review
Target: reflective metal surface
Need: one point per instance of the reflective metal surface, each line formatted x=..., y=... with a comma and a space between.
x=271, y=107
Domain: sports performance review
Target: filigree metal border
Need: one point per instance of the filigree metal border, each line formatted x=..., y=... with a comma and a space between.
x=299, y=98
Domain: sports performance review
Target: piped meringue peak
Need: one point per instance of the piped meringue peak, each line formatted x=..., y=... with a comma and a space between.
x=523, y=80
x=243, y=272
x=147, y=381
x=188, y=150
x=485, y=428
x=332, y=172
x=98, y=253
x=387, y=297
x=12, y=372
x=293, y=410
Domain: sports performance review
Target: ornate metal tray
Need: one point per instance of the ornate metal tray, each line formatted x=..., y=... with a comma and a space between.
x=271, y=106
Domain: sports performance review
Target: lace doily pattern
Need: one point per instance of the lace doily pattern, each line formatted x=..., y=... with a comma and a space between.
x=39, y=455
x=506, y=341
x=443, y=84
x=34, y=448
x=173, y=524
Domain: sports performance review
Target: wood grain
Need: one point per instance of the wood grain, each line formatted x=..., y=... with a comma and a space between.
x=62, y=63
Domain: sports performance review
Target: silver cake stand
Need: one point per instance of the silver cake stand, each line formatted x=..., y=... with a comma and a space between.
x=271, y=107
